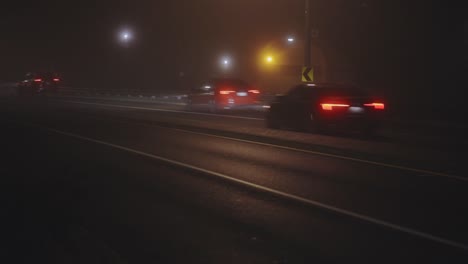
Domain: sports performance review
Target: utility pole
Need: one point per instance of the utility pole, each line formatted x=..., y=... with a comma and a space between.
x=307, y=55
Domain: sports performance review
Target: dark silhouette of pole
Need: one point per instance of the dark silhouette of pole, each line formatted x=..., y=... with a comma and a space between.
x=307, y=44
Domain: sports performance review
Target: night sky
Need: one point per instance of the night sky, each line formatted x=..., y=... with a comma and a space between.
x=401, y=47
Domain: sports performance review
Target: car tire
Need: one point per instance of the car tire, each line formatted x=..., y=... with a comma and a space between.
x=189, y=106
x=213, y=107
x=271, y=120
x=310, y=124
x=369, y=131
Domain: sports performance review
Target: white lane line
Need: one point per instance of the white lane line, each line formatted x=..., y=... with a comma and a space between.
x=163, y=110
x=381, y=164
x=393, y=166
x=285, y=195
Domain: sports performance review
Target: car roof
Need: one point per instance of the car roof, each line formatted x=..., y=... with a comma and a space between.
x=232, y=82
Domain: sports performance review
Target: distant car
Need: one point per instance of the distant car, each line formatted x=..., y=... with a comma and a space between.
x=39, y=83
x=223, y=94
x=315, y=107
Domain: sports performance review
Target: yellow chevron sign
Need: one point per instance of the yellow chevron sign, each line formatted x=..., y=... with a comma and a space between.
x=307, y=74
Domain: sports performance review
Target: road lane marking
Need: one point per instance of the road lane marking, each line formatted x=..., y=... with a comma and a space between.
x=318, y=153
x=279, y=193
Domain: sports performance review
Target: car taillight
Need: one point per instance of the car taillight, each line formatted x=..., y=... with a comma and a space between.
x=378, y=106
x=56, y=79
x=330, y=107
x=38, y=80
x=226, y=92
x=254, y=91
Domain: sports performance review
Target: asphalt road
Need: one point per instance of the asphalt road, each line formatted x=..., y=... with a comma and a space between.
x=93, y=181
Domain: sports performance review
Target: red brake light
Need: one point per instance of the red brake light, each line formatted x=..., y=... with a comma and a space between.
x=226, y=92
x=38, y=80
x=56, y=79
x=330, y=107
x=254, y=91
x=378, y=106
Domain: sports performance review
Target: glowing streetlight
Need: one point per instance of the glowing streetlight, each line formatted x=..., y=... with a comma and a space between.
x=125, y=36
x=225, y=62
x=290, y=39
x=269, y=59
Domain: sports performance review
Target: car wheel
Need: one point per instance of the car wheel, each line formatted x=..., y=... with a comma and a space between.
x=272, y=120
x=369, y=131
x=310, y=124
x=188, y=106
x=213, y=107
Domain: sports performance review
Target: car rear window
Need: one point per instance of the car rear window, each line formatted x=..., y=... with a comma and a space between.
x=46, y=75
x=340, y=92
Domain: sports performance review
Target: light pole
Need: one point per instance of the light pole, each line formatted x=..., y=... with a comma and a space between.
x=125, y=37
x=307, y=55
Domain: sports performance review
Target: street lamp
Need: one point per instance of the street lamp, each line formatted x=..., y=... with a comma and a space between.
x=125, y=36
x=225, y=62
x=307, y=53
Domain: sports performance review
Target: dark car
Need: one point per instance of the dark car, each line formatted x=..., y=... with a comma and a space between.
x=39, y=83
x=317, y=107
x=222, y=94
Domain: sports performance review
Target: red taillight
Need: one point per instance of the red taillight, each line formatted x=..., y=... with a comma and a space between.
x=56, y=79
x=38, y=80
x=378, y=106
x=226, y=92
x=330, y=107
x=254, y=91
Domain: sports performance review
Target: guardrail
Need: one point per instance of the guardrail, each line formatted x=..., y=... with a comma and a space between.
x=266, y=98
x=133, y=94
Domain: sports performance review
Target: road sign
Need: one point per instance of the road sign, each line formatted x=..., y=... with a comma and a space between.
x=307, y=74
